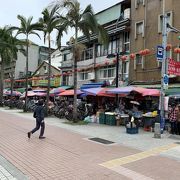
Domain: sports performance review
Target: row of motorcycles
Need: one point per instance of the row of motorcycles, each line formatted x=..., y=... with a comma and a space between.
x=64, y=109
x=61, y=109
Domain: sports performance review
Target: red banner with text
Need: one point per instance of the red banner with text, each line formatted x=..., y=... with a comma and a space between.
x=174, y=67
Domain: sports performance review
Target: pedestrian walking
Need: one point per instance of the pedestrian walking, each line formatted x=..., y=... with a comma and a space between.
x=39, y=115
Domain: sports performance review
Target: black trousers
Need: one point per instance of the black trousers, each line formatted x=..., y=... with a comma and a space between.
x=38, y=124
x=173, y=127
x=178, y=128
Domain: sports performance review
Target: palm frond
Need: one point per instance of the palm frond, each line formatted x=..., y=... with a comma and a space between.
x=23, y=21
x=61, y=29
x=103, y=35
x=89, y=10
x=35, y=33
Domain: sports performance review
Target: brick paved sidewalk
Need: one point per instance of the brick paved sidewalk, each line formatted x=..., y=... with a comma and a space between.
x=69, y=155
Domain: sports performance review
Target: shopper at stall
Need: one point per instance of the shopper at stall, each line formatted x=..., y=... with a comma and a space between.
x=178, y=119
x=172, y=113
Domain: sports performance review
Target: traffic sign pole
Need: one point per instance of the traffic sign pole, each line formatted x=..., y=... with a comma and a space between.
x=163, y=70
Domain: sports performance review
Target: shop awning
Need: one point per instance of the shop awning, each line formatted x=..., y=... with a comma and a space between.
x=56, y=91
x=98, y=92
x=66, y=87
x=70, y=92
x=92, y=85
x=14, y=93
x=21, y=90
x=128, y=89
x=172, y=91
x=172, y=88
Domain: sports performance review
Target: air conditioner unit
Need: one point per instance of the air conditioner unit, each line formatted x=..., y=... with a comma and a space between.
x=45, y=71
x=91, y=75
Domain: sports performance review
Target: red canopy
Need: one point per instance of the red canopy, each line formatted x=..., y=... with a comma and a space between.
x=70, y=92
x=151, y=92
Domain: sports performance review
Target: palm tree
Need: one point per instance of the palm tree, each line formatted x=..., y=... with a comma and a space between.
x=9, y=47
x=15, y=46
x=85, y=21
x=27, y=28
x=50, y=21
x=4, y=35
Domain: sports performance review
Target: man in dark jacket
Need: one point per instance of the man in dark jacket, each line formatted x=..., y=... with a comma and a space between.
x=39, y=115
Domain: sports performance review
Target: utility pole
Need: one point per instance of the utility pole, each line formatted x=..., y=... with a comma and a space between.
x=164, y=67
x=117, y=75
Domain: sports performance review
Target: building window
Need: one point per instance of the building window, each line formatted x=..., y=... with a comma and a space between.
x=107, y=72
x=98, y=51
x=65, y=80
x=139, y=2
x=139, y=28
x=138, y=59
x=84, y=76
x=125, y=67
x=160, y=21
x=45, y=69
x=65, y=57
x=21, y=74
x=89, y=53
x=126, y=42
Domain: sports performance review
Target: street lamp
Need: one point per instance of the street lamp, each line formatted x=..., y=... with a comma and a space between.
x=117, y=72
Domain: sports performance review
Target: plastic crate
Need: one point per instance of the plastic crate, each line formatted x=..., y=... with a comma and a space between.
x=110, y=120
x=102, y=118
x=133, y=130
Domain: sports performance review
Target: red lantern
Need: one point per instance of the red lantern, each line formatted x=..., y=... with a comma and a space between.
x=141, y=52
x=98, y=66
x=168, y=47
x=114, y=61
x=106, y=63
x=132, y=56
x=146, y=51
x=176, y=50
x=123, y=58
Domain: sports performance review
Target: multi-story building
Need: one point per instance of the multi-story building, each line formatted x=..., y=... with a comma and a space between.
x=98, y=62
x=146, y=33
x=43, y=54
x=132, y=25
x=17, y=68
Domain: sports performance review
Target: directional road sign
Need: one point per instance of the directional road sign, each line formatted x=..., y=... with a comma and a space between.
x=160, y=52
x=165, y=81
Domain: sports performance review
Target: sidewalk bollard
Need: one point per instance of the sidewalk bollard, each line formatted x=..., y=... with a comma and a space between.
x=157, y=130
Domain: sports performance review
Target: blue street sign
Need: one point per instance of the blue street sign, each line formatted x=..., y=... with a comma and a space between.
x=166, y=79
x=160, y=53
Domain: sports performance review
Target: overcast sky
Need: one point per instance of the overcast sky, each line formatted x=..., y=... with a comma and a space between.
x=11, y=8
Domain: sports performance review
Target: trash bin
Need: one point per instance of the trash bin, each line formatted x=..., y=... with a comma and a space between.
x=130, y=129
x=110, y=119
x=102, y=118
x=133, y=130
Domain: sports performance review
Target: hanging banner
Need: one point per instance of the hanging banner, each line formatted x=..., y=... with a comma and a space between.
x=174, y=67
x=55, y=82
